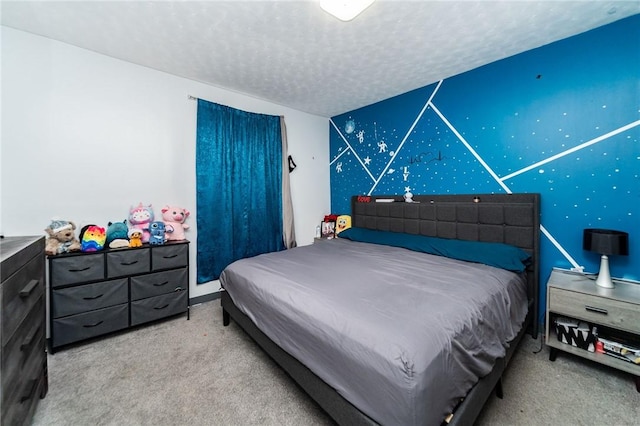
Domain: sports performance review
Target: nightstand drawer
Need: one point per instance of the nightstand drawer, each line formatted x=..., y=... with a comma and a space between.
x=600, y=310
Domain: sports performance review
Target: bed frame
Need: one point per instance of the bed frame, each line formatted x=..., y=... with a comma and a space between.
x=505, y=218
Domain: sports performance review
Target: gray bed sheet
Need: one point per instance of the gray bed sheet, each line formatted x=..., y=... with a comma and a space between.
x=401, y=335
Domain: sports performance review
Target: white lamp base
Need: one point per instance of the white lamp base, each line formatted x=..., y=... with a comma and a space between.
x=604, y=277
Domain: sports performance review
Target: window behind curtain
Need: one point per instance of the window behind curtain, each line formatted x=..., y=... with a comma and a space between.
x=239, y=187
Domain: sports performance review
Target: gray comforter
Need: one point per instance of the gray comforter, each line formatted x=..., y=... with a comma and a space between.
x=401, y=335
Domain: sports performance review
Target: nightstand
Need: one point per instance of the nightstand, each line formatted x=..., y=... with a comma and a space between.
x=615, y=311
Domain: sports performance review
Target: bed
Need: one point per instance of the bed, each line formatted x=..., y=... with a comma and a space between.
x=378, y=327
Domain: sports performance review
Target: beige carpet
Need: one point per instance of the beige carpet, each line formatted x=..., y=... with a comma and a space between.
x=197, y=372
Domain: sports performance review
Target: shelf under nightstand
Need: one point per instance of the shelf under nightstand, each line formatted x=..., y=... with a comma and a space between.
x=576, y=296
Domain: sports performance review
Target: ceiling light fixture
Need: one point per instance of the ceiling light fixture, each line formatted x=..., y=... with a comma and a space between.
x=345, y=10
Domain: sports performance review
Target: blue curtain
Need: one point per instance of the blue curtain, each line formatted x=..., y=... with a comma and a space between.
x=239, y=187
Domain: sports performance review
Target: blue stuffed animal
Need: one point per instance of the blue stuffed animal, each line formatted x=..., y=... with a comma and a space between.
x=117, y=234
x=157, y=230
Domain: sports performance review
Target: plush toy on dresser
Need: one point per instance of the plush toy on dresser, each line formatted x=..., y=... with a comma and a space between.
x=140, y=217
x=117, y=234
x=92, y=238
x=174, y=218
x=61, y=237
x=135, y=237
x=157, y=230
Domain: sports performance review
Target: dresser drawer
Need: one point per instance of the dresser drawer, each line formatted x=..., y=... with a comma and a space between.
x=19, y=405
x=76, y=269
x=600, y=310
x=20, y=293
x=26, y=345
x=144, y=286
x=89, y=297
x=128, y=262
x=170, y=256
x=157, y=307
x=89, y=324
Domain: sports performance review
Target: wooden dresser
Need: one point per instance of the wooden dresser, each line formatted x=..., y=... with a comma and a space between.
x=23, y=328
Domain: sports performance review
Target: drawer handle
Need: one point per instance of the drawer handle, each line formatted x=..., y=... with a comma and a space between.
x=178, y=289
x=161, y=284
x=93, y=325
x=28, y=289
x=94, y=297
x=161, y=307
x=128, y=263
x=32, y=390
x=31, y=337
x=80, y=270
x=596, y=310
x=170, y=257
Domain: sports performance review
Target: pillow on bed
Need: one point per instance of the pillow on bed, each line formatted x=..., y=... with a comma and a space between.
x=498, y=255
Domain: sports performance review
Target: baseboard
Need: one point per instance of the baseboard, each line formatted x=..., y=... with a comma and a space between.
x=204, y=298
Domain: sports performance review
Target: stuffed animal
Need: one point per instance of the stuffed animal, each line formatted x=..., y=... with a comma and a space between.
x=343, y=222
x=140, y=217
x=135, y=237
x=92, y=238
x=117, y=234
x=157, y=230
x=61, y=237
x=174, y=218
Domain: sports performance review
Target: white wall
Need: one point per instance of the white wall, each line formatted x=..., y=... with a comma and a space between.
x=85, y=136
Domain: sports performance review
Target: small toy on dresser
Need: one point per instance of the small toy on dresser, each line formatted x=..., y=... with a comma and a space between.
x=140, y=217
x=174, y=218
x=61, y=237
x=135, y=237
x=92, y=238
x=157, y=230
x=117, y=234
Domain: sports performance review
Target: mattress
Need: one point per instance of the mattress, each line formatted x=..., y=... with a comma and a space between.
x=401, y=335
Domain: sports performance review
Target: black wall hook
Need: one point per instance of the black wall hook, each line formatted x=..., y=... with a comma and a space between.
x=292, y=164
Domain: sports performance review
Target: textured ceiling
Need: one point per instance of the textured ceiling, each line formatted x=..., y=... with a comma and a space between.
x=292, y=53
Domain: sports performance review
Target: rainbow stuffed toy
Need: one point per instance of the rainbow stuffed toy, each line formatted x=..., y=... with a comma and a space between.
x=92, y=238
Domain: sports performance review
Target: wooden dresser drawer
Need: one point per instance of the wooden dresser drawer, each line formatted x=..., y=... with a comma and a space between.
x=20, y=292
x=89, y=297
x=19, y=405
x=25, y=345
x=128, y=262
x=76, y=269
x=601, y=310
x=170, y=256
x=159, y=283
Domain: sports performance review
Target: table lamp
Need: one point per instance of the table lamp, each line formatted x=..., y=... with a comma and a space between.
x=606, y=242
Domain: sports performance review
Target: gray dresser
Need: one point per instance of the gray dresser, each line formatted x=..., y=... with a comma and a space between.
x=23, y=328
x=92, y=294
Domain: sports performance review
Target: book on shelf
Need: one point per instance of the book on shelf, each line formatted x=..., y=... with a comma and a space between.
x=620, y=350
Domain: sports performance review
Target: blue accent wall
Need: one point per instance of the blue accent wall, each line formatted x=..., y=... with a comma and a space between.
x=562, y=120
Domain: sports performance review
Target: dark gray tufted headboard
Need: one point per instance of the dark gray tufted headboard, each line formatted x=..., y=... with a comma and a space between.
x=503, y=218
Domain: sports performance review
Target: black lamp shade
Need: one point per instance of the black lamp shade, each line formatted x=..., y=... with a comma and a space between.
x=606, y=241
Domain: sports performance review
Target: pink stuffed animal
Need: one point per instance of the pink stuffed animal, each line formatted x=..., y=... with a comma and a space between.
x=174, y=218
x=140, y=217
